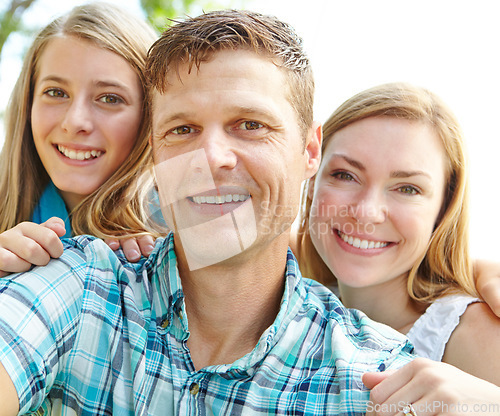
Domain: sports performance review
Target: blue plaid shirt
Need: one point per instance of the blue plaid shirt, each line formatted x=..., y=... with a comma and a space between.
x=95, y=334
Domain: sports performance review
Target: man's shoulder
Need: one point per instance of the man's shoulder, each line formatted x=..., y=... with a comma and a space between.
x=351, y=331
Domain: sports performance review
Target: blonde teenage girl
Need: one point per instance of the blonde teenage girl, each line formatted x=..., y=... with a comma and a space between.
x=76, y=146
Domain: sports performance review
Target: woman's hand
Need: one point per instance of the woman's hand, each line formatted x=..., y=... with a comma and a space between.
x=29, y=244
x=487, y=277
x=133, y=247
x=432, y=388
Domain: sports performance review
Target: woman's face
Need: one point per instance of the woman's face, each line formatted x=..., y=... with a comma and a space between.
x=376, y=199
x=86, y=114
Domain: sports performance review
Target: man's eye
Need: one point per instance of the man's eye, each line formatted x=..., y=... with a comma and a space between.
x=55, y=92
x=250, y=125
x=110, y=99
x=182, y=130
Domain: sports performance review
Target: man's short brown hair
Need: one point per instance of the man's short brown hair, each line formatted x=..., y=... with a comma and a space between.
x=194, y=40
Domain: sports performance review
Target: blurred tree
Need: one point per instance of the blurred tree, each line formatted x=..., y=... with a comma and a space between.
x=159, y=12
x=11, y=19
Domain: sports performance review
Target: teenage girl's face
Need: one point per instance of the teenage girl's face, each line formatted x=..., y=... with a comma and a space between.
x=376, y=199
x=86, y=114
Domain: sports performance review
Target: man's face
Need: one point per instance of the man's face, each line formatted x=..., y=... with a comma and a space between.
x=229, y=156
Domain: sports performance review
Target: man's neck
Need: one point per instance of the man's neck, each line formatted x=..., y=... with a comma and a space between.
x=230, y=305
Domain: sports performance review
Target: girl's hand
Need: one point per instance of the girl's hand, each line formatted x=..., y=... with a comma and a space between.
x=29, y=244
x=133, y=247
x=487, y=277
x=432, y=388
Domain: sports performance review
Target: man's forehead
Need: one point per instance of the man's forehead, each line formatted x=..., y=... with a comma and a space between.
x=235, y=59
x=242, y=79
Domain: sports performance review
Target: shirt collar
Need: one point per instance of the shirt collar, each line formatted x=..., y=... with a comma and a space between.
x=162, y=265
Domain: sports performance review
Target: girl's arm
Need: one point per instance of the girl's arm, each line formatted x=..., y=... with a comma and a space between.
x=29, y=244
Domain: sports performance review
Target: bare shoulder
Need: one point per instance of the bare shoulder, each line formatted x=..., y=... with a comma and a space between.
x=474, y=345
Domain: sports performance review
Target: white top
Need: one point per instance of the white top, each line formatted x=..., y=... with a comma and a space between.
x=431, y=332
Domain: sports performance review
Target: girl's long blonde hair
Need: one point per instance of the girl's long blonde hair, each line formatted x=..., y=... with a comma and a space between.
x=446, y=265
x=114, y=208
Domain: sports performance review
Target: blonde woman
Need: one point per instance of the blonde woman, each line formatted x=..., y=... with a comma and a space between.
x=386, y=220
x=76, y=138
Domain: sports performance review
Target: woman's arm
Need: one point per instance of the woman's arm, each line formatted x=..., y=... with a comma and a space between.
x=487, y=277
x=8, y=394
x=474, y=344
x=432, y=388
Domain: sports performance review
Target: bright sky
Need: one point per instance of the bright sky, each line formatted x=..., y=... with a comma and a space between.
x=448, y=46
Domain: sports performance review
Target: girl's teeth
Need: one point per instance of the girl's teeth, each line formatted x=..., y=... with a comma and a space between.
x=219, y=199
x=79, y=155
x=362, y=244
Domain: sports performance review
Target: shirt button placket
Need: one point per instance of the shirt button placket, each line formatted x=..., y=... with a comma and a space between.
x=194, y=388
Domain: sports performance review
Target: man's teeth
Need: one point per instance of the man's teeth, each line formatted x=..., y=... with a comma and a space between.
x=219, y=199
x=79, y=154
x=363, y=244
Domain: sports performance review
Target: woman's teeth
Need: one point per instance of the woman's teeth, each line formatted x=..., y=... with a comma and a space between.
x=79, y=154
x=219, y=199
x=363, y=244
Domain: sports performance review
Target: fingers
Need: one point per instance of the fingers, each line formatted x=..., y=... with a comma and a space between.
x=391, y=391
x=487, y=275
x=146, y=244
x=370, y=380
x=133, y=247
x=113, y=244
x=27, y=244
x=57, y=225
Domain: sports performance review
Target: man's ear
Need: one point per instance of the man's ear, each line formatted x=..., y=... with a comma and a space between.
x=313, y=149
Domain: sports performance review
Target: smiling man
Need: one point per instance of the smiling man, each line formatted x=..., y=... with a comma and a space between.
x=218, y=320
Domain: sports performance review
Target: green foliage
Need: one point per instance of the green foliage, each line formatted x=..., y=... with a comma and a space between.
x=159, y=12
x=10, y=19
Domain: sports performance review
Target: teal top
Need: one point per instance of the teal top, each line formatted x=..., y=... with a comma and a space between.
x=50, y=205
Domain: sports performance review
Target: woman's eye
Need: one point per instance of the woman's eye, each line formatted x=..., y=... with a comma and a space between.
x=250, y=125
x=182, y=130
x=110, y=99
x=56, y=93
x=409, y=190
x=343, y=176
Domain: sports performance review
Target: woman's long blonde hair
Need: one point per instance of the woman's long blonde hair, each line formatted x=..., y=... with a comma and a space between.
x=114, y=208
x=446, y=265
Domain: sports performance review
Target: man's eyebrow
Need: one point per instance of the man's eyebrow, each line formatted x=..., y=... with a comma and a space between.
x=236, y=110
x=172, y=117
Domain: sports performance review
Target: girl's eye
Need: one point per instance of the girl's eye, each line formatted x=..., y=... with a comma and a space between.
x=409, y=190
x=56, y=93
x=250, y=125
x=111, y=99
x=343, y=176
x=182, y=130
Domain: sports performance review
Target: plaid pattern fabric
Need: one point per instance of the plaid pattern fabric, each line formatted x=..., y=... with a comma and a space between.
x=91, y=334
